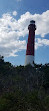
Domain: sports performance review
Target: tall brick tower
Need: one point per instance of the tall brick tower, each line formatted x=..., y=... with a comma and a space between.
x=29, y=59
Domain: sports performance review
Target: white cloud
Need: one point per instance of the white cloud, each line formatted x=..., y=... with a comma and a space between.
x=9, y=37
x=42, y=22
x=12, y=30
x=41, y=42
x=14, y=13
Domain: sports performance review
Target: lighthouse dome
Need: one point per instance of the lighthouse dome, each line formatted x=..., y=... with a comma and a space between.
x=32, y=22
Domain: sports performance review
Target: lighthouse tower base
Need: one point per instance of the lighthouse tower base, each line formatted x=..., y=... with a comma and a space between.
x=29, y=59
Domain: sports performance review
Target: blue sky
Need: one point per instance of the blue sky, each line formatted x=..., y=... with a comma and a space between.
x=14, y=20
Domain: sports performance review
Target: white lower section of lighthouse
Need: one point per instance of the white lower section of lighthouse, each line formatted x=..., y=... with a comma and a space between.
x=29, y=59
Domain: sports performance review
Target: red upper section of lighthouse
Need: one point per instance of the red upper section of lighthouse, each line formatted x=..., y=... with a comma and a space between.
x=31, y=38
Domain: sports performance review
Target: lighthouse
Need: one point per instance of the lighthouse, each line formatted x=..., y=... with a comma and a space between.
x=29, y=59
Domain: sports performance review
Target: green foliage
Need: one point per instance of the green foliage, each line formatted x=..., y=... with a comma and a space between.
x=19, y=102
x=4, y=104
x=24, y=88
x=46, y=102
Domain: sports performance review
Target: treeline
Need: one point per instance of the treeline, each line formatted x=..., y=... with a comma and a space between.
x=24, y=88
